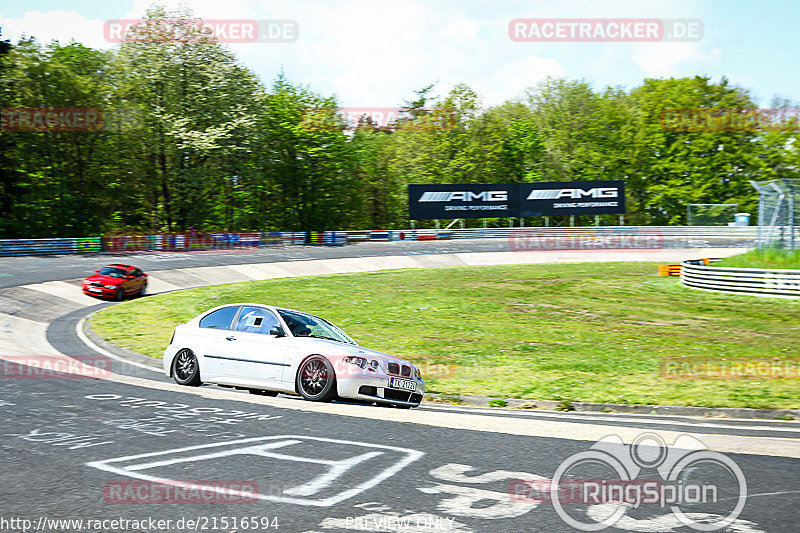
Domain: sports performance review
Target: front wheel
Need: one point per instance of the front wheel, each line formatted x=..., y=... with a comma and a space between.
x=185, y=369
x=316, y=380
x=120, y=294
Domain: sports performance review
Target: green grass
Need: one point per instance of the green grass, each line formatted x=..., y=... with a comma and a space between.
x=763, y=258
x=567, y=332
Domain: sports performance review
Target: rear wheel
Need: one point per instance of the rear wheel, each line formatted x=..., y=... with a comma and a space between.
x=143, y=290
x=316, y=380
x=185, y=369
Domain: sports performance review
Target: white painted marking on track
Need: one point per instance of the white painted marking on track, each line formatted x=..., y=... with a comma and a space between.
x=82, y=336
x=393, y=460
x=666, y=523
x=589, y=418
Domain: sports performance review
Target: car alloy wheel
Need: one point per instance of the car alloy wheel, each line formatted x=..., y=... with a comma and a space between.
x=120, y=294
x=185, y=369
x=316, y=380
x=143, y=290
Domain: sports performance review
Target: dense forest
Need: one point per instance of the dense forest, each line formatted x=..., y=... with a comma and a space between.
x=193, y=139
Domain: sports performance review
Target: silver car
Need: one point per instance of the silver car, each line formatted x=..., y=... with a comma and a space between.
x=267, y=350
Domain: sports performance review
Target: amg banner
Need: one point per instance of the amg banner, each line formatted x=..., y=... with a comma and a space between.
x=546, y=198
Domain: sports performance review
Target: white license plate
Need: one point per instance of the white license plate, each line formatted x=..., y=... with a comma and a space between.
x=403, y=384
x=95, y=289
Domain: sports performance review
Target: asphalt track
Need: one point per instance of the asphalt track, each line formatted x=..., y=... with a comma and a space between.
x=72, y=447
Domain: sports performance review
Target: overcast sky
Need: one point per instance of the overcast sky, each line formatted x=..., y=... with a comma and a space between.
x=376, y=52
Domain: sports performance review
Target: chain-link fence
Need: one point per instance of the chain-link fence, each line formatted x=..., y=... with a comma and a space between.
x=778, y=213
x=710, y=214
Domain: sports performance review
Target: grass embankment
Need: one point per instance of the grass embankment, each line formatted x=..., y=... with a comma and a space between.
x=571, y=332
x=763, y=258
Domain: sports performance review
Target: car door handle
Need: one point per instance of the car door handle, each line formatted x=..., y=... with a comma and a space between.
x=231, y=338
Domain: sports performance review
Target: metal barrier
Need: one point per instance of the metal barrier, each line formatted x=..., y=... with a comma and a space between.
x=751, y=281
x=72, y=245
x=617, y=237
x=520, y=239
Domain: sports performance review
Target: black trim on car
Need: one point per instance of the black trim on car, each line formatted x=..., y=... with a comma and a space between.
x=245, y=360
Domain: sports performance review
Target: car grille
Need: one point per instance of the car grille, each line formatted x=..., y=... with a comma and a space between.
x=395, y=369
x=391, y=394
x=402, y=396
x=368, y=390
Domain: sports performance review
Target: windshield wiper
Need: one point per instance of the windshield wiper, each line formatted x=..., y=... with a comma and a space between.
x=327, y=338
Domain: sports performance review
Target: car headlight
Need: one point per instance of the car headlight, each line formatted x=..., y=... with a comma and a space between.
x=358, y=361
x=110, y=286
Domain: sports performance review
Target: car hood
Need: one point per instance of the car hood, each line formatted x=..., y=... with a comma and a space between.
x=105, y=280
x=326, y=347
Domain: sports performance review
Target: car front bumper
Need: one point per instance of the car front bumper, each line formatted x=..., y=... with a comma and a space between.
x=102, y=292
x=376, y=389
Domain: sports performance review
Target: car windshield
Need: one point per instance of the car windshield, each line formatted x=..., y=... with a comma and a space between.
x=113, y=272
x=302, y=325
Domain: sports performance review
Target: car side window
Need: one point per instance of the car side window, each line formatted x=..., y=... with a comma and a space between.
x=136, y=272
x=219, y=319
x=256, y=320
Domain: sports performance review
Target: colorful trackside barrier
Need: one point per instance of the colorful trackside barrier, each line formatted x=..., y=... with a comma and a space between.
x=68, y=245
x=378, y=235
x=192, y=242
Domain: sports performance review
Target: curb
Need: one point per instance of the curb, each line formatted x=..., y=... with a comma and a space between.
x=639, y=409
x=119, y=351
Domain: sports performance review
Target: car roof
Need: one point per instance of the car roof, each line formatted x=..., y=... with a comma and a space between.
x=267, y=306
x=120, y=265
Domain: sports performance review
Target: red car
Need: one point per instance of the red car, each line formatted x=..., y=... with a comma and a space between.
x=116, y=281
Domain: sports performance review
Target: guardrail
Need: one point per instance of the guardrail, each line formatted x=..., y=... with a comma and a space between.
x=519, y=239
x=9, y=247
x=774, y=283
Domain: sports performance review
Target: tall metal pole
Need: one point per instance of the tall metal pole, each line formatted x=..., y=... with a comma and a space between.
x=790, y=214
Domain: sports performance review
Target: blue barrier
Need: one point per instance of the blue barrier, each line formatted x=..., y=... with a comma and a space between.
x=378, y=235
x=335, y=237
x=16, y=247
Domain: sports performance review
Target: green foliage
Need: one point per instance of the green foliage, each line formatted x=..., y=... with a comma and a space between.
x=579, y=332
x=204, y=144
x=763, y=258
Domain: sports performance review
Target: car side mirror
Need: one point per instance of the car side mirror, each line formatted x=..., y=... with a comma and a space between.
x=130, y=277
x=277, y=331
